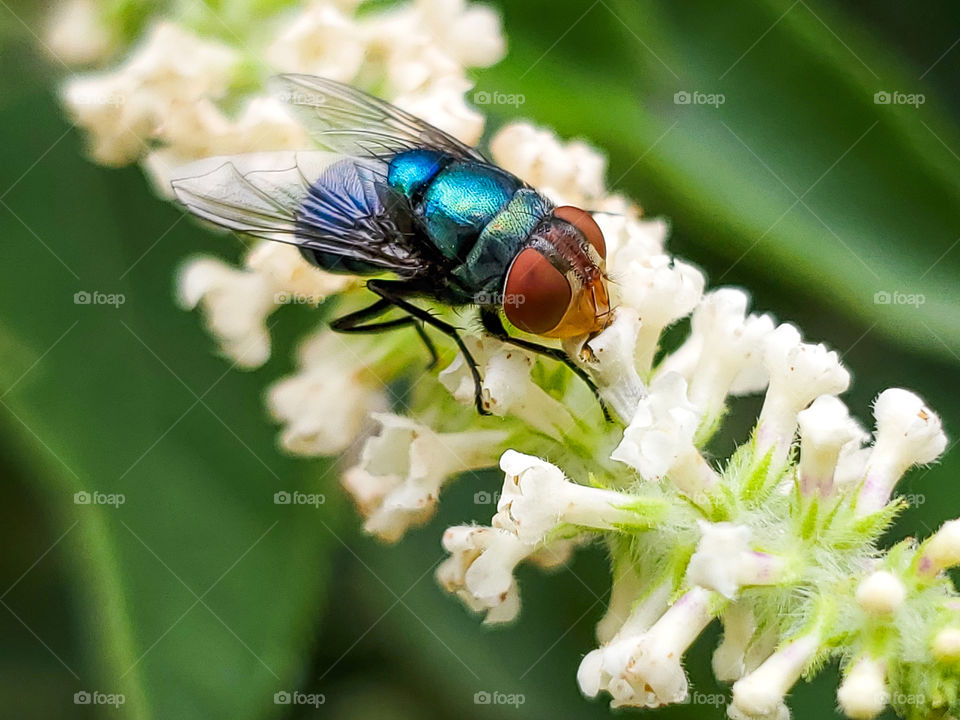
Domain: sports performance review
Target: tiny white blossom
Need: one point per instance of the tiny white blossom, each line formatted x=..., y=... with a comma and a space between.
x=863, y=694
x=444, y=104
x=121, y=109
x=662, y=291
x=235, y=303
x=77, y=33
x=658, y=442
x=644, y=669
x=908, y=433
x=628, y=237
x=881, y=593
x=724, y=561
x=321, y=40
x=730, y=658
x=825, y=428
x=941, y=550
x=480, y=569
x=723, y=353
x=537, y=498
x=570, y=173
x=326, y=404
x=506, y=386
x=610, y=359
x=946, y=645
x=799, y=373
x=760, y=693
x=403, y=467
x=626, y=587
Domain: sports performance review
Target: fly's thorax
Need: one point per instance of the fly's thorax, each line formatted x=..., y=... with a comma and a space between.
x=558, y=281
x=460, y=201
x=498, y=244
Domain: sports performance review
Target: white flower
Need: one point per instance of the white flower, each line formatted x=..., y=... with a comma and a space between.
x=537, y=498
x=724, y=561
x=730, y=658
x=403, y=467
x=121, y=109
x=321, y=40
x=799, y=373
x=237, y=303
x=628, y=237
x=658, y=442
x=570, y=173
x=444, y=104
x=825, y=428
x=946, y=645
x=760, y=694
x=480, y=569
x=77, y=33
x=881, y=593
x=469, y=32
x=908, y=433
x=644, y=669
x=200, y=129
x=723, y=352
x=326, y=404
x=609, y=359
x=941, y=550
x=863, y=693
x=662, y=291
x=626, y=587
x=506, y=386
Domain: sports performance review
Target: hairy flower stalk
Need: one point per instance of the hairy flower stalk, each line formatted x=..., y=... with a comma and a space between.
x=779, y=542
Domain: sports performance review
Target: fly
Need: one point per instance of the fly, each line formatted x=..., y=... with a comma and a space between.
x=395, y=195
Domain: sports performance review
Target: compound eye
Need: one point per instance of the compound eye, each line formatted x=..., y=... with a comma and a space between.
x=584, y=222
x=536, y=294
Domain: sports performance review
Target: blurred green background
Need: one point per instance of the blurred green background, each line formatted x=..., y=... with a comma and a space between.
x=200, y=598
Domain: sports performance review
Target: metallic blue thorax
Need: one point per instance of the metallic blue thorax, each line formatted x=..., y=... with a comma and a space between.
x=477, y=215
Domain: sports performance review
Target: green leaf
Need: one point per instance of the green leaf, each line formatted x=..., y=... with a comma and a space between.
x=201, y=595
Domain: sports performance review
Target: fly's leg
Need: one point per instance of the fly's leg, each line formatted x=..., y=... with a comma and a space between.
x=352, y=323
x=393, y=293
x=494, y=325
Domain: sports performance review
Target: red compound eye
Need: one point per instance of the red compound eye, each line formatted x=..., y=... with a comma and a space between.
x=536, y=294
x=584, y=222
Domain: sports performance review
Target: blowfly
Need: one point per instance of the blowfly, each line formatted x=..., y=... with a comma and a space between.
x=397, y=198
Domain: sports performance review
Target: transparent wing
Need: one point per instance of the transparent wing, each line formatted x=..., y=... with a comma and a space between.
x=352, y=122
x=318, y=200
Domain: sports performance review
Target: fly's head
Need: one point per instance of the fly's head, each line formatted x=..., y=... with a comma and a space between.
x=557, y=285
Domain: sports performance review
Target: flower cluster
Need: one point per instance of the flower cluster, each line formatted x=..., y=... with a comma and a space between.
x=779, y=542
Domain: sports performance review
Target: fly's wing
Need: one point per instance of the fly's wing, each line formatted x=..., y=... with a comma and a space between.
x=340, y=208
x=352, y=122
